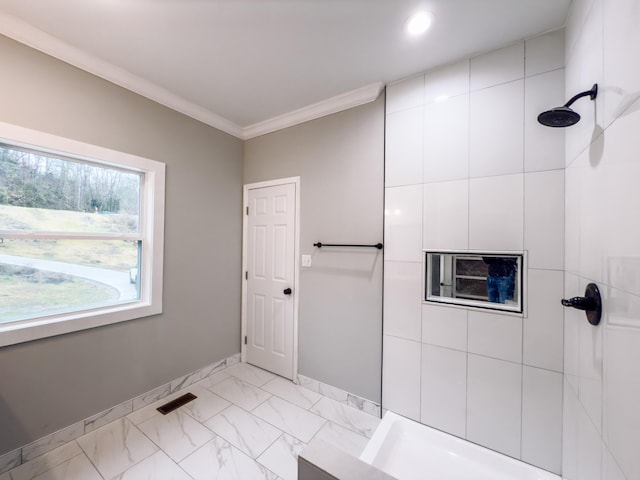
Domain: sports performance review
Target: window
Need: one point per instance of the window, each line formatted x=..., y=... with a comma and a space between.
x=483, y=280
x=81, y=235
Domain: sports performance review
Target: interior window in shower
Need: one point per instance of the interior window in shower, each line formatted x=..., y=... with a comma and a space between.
x=484, y=280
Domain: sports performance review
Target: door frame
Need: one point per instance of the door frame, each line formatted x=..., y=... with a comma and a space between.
x=296, y=263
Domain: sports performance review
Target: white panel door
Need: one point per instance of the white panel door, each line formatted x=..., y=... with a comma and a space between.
x=270, y=278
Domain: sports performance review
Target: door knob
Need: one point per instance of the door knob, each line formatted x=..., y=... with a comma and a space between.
x=287, y=291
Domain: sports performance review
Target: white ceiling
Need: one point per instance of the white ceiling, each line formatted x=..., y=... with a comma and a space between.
x=238, y=64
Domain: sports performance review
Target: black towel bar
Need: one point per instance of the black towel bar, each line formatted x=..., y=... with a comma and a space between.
x=320, y=245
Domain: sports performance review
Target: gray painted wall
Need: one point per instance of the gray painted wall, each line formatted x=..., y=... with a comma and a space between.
x=340, y=161
x=81, y=374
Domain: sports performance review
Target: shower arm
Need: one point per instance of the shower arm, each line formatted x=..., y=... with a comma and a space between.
x=592, y=93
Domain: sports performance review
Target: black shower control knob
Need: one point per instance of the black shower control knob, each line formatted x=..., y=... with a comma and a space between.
x=581, y=303
x=287, y=291
x=591, y=303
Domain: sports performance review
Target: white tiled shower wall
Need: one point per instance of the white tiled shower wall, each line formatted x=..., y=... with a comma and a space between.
x=475, y=171
x=602, y=364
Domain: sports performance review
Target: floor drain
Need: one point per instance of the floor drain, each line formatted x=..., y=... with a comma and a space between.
x=176, y=403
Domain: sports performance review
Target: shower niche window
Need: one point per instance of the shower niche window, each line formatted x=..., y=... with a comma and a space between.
x=484, y=280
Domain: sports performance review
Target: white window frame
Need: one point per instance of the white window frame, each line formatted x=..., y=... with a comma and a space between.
x=152, y=196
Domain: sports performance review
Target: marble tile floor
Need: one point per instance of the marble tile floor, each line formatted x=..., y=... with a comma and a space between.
x=245, y=424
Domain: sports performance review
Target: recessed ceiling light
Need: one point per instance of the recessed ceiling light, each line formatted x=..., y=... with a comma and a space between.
x=419, y=22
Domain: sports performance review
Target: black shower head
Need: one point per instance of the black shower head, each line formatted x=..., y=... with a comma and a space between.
x=559, y=117
x=565, y=116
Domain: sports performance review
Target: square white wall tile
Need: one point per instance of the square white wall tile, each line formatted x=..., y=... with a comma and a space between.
x=544, y=219
x=584, y=67
x=498, y=66
x=544, y=147
x=444, y=326
x=570, y=406
x=405, y=94
x=621, y=422
x=403, y=299
x=590, y=448
x=494, y=335
x=594, y=210
x=572, y=320
x=624, y=273
x=446, y=215
x=543, y=329
x=621, y=45
x=573, y=146
x=542, y=418
x=621, y=310
x=544, y=53
x=577, y=16
x=403, y=223
x=444, y=389
x=447, y=81
x=496, y=132
x=619, y=198
x=401, y=376
x=403, y=144
x=446, y=139
x=572, y=209
x=496, y=210
x=591, y=361
x=494, y=402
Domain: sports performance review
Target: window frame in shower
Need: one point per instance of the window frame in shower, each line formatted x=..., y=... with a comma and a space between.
x=521, y=279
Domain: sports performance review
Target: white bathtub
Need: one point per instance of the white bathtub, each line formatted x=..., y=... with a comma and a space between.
x=409, y=450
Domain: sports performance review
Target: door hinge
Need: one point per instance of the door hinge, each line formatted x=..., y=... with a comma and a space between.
x=245, y=339
x=246, y=275
x=247, y=210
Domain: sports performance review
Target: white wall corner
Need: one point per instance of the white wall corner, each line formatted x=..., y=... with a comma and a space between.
x=344, y=101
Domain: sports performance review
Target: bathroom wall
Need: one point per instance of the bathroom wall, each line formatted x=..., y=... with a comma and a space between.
x=602, y=232
x=340, y=161
x=469, y=168
x=51, y=383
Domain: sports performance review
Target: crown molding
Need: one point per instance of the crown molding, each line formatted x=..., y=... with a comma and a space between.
x=22, y=32
x=26, y=34
x=336, y=104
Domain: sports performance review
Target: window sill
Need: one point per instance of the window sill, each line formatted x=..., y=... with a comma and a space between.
x=29, y=330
